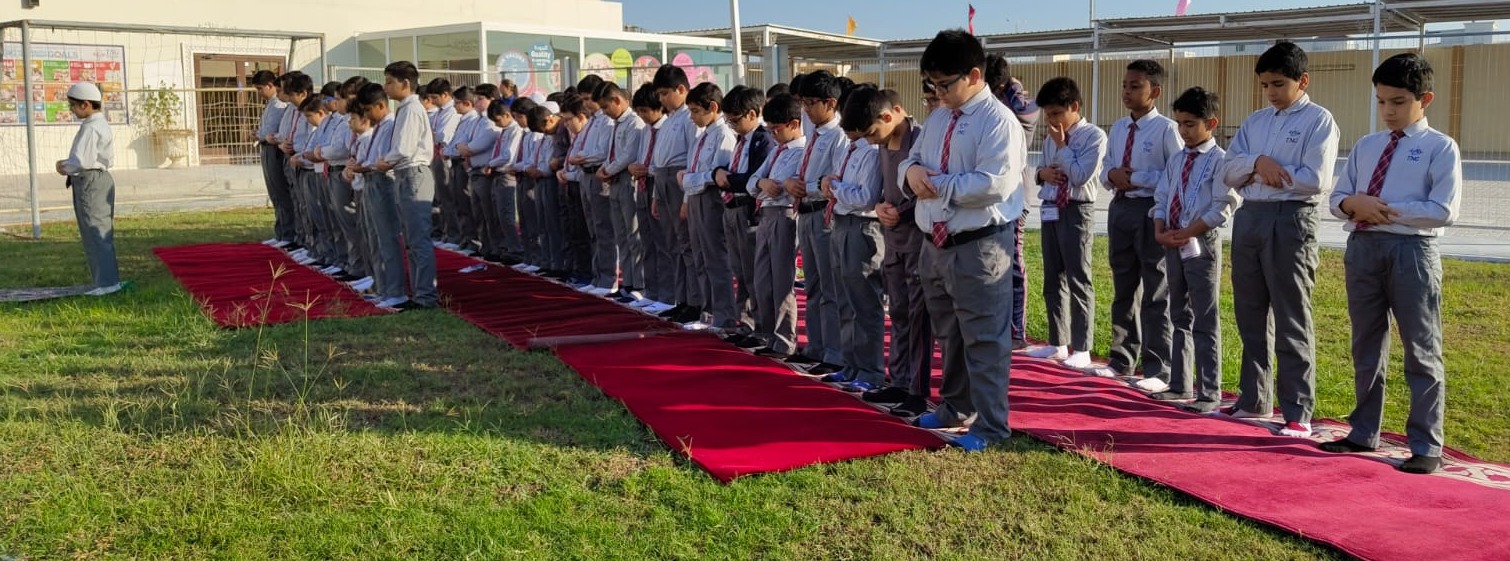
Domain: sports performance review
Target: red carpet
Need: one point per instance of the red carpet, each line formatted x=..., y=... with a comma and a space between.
x=235, y=284
x=730, y=412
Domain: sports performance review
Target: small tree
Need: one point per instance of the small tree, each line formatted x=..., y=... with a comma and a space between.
x=159, y=110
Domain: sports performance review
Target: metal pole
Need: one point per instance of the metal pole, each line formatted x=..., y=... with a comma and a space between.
x=739, y=53
x=1095, y=66
x=1373, y=116
x=31, y=132
x=324, y=68
x=1421, y=41
x=884, y=66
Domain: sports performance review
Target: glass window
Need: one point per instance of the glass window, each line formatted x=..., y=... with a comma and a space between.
x=704, y=64
x=401, y=48
x=627, y=63
x=533, y=62
x=372, y=53
x=449, y=51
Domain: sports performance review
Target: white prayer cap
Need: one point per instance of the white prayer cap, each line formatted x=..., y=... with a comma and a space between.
x=538, y=98
x=84, y=91
x=553, y=107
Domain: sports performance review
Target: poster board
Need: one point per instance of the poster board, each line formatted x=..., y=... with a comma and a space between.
x=55, y=67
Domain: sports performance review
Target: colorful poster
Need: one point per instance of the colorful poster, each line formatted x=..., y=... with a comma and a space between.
x=517, y=68
x=547, y=68
x=622, y=60
x=598, y=63
x=683, y=61
x=55, y=67
x=644, y=70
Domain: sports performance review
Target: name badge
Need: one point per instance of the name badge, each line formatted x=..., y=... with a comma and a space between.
x=1191, y=250
x=1049, y=213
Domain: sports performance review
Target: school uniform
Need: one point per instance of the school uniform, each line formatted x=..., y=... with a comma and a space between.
x=341, y=202
x=858, y=249
x=740, y=222
x=531, y=224
x=673, y=143
x=1025, y=108
x=88, y=170
x=1140, y=329
x=380, y=204
x=776, y=250
x=911, y=358
x=364, y=244
x=508, y=239
x=1394, y=270
x=273, y=161
x=1274, y=252
x=594, y=141
x=410, y=156
x=460, y=182
x=443, y=124
x=1190, y=192
x=328, y=243
x=485, y=222
x=981, y=155
x=296, y=134
x=625, y=146
x=826, y=147
x=658, y=278
x=1068, y=221
x=551, y=202
x=574, y=209
x=705, y=223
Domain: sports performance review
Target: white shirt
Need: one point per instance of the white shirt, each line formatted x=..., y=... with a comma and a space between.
x=1424, y=182
x=1203, y=198
x=857, y=188
x=783, y=162
x=826, y=147
x=272, y=116
x=1080, y=159
x=625, y=147
x=413, y=142
x=713, y=149
x=987, y=157
x=674, y=141
x=93, y=146
x=1302, y=137
x=1157, y=139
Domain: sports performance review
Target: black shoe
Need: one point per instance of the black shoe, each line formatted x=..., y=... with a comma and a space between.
x=1343, y=446
x=1422, y=465
x=769, y=353
x=886, y=395
x=735, y=338
x=799, y=358
x=1019, y=344
x=346, y=277
x=622, y=297
x=1171, y=396
x=411, y=306
x=824, y=368
x=675, y=311
x=1201, y=407
x=509, y=260
x=292, y=247
x=751, y=342
x=911, y=407
x=689, y=315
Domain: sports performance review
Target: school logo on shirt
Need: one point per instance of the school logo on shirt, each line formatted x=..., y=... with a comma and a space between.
x=1415, y=154
x=1294, y=137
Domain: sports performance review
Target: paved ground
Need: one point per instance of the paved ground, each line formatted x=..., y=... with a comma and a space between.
x=1483, y=230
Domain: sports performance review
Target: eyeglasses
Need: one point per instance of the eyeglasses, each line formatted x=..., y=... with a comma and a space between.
x=929, y=86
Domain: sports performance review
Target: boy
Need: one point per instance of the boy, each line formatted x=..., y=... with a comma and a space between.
x=741, y=108
x=1393, y=269
x=341, y=203
x=443, y=122
x=705, y=208
x=1139, y=147
x=1067, y=190
x=574, y=199
x=673, y=142
x=894, y=132
x=477, y=152
x=503, y=217
x=380, y=197
x=776, y=234
x=526, y=198
x=357, y=150
x=293, y=130
x=273, y=160
x=1189, y=208
x=409, y=157
x=624, y=148
x=586, y=160
x=1282, y=160
x=88, y=171
x=551, y=197
x=647, y=105
x=853, y=190
x=966, y=173
x=826, y=147
x=315, y=185
x=1011, y=93
x=467, y=119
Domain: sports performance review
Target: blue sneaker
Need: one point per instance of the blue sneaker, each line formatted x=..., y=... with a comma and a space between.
x=857, y=386
x=969, y=443
x=840, y=377
x=931, y=421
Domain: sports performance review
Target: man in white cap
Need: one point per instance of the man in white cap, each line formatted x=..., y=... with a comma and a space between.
x=88, y=171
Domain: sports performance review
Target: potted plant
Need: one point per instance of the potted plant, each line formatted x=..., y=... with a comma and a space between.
x=159, y=114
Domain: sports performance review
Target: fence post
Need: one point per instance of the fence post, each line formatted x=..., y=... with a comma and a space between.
x=31, y=132
x=1373, y=116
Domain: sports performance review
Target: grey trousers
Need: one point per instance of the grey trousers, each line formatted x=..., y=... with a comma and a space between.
x=859, y=251
x=529, y=221
x=1194, y=302
x=274, y=164
x=1068, y=295
x=327, y=229
x=94, y=209
x=484, y=212
x=461, y=204
x=380, y=208
x=343, y=218
x=548, y=205
x=739, y=239
x=440, y=169
x=1400, y=276
x=605, y=249
x=775, y=273
x=299, y=193
x=506, y=233
x=367, y=244
x=969, y=292
x=819, y=272
x=705, y=222
x=656, y=267
x=414, y=204
x=577, y=229
x=911, y=359
x=624, y=213
x=1274, y=257
x=678, y=274
x=1140, y=291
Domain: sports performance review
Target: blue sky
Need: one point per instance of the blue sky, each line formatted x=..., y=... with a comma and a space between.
x=902, y=19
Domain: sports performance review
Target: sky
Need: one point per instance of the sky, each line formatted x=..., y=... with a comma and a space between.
x=903, y=19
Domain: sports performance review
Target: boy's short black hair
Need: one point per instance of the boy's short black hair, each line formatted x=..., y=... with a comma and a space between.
x=463, y=94
x=705, y=95
x=312, y=104
x=597, y=92
x=438, y=87
x=264, y=78
x=645, y=97
x=1059, y=92
x=589, y=84
x=572, y=104
x=1150, y=69
x=496, y=109
x=670, y=77
x=795, y=86
x=403, y=71
x=821, y=85
x=330, y=89
x=863, y=108
x=782, y=109
x=998, y=72
x=952, y=52
x=298, y=82
x=779, y=88
x=369, y=95
x=521, y=106
x=92, y=103
x=1408, y=71
x=1199, y=102
x=743, y=99
x=608, y=91
x=488, y=91
x=352, y=85
x=537, y=116
x=1284, y=58
x=563, y=94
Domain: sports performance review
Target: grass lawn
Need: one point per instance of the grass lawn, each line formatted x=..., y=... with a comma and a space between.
x=131, y=427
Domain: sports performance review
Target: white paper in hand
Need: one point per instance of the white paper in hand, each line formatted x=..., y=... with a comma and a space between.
x=1191, y=249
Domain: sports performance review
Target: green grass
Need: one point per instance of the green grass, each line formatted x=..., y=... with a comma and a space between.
x=131, y=427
